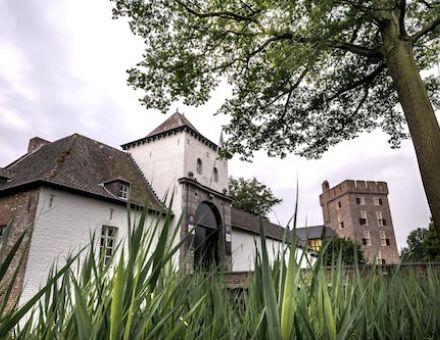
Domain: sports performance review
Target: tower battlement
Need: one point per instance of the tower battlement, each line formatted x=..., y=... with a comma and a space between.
x=352, y=186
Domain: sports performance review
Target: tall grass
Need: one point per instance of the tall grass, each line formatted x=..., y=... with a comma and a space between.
x=139, y=295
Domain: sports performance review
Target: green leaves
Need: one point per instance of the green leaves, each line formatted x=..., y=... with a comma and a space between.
x=252, y=196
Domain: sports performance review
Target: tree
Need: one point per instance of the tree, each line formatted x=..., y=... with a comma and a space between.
x=305, y=74
x=349, y=250
x=423, y=246
x=414, y=252
x=252, y=196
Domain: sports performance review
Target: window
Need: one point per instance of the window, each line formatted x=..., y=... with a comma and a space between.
x=199, y=166
x=338, y=205
x=340, y=222
x=360, y=200
x=379, y=257
x=363, y=220
x=315, y=244
x=123, y=191
x=366, y=241
x=215, y=175
x=2, y=234
x=108, y=238
x=383, y=238
x=380, y=220
x=377, y=201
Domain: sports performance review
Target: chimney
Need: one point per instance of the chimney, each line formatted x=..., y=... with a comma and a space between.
x=36, y=143
x=325, y=186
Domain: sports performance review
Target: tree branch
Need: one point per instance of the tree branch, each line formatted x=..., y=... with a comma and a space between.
x=402, y=12
x=359, y=50
x=429, y=27
x=220, y=14
x=366, y=80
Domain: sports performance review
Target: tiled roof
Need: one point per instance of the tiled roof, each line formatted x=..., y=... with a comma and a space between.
x=175, y=121
x=83, y=164
x=314, y=232
x=245, y=221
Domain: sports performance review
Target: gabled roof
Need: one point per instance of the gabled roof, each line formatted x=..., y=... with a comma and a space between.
x=315, y=232
x=175, y=123
x=81, y=164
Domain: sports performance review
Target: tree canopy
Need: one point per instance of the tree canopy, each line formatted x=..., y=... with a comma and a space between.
x=350, y=252
x=252, y=196
x=422, y=246
x=305, y=74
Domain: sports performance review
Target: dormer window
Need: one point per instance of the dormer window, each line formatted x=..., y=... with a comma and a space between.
x=199, y=166
x=123, y=191
x=215, y=175
x=118, y=187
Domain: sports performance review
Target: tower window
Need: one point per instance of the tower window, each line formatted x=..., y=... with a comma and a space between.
x=366, y=241
x=339, y=205
x=360, y=200
x=199, y=166
x=377, y=201
x=363, y=220
x=215, y=175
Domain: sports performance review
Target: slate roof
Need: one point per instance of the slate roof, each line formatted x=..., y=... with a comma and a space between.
x=81, y=164
x=248, y=222
x=173, y=124
x=315, y=232
x=175, y=121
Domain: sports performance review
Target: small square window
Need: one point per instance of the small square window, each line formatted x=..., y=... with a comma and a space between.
x=360, y=200
x=377, y=201
x=123, y=191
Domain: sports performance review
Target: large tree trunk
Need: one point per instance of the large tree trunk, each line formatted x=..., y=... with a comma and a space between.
x=418, y=110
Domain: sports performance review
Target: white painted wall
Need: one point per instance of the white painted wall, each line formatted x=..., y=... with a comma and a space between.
x=64, y=228
x=162, y=162
x=243, y=250
x=195, y=149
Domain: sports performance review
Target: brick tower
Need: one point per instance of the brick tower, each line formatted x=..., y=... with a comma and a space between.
x=359, y=210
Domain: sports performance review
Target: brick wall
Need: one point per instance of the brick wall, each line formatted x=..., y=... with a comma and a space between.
x=340, y=204
x=20, y=208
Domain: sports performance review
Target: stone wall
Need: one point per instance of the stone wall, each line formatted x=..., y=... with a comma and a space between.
x=20, y=208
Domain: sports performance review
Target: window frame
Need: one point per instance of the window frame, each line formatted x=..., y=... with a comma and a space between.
x=360, y=200
x=108, y=234
x=123, y=191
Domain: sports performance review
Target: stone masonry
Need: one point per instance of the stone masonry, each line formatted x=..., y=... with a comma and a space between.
x=359, y=210
x=20, y=208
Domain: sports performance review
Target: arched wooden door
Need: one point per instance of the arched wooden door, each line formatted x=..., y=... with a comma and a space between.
x=206, y=237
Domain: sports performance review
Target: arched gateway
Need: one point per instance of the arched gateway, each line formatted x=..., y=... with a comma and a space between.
x=206, y=238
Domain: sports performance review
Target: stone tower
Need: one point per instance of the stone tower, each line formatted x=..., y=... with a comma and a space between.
x=177, y=159
x=359, y=210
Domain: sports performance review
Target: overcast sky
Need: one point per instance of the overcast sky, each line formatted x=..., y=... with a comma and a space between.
x=62, y=70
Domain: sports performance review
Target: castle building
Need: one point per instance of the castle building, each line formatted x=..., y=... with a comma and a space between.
x=63, y=191
x=359, y=210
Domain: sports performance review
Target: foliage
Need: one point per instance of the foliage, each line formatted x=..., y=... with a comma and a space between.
x=423, y=245
x=305, y=74
x=349, y=251
x=138, y=296
x=252, y=196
